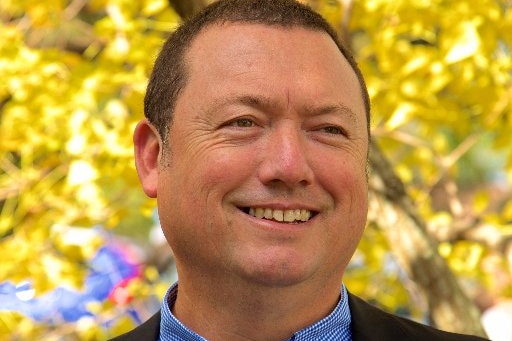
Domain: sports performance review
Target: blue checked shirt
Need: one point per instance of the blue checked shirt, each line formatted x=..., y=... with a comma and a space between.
x=335, y=327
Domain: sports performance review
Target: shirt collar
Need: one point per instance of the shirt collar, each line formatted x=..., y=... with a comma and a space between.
x=171, y=329
x=335, y=326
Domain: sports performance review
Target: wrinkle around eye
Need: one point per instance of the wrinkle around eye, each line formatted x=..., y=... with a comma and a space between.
x=333, y=136
x=241, y=130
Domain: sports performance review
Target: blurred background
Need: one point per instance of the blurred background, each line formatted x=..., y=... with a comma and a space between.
x=82, y=254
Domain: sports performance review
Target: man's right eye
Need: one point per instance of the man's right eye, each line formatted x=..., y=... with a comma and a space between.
x=242, y=123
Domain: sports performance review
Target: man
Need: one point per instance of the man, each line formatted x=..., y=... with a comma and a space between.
x=255, y=145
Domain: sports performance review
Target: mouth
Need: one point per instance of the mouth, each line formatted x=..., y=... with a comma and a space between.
x=295, y=216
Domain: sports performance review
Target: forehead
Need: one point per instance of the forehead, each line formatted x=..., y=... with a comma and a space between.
x=239, y=39
x=270, y=59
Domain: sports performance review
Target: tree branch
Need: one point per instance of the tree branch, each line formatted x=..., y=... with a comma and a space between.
x=392, y=210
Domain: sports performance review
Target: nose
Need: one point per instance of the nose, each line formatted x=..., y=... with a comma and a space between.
x=285, y=158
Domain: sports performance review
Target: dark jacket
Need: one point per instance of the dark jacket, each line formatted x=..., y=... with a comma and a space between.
x=368, y=324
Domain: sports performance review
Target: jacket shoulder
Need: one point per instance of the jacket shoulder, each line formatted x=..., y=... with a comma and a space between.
x=148, y=331
x=371, y=323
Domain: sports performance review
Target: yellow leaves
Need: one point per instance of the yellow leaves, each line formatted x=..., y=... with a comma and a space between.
x=405, y=173
x=438, y=74
x=438, y=82
x=374, y=5
x=14, y=326
x=81, y=172
x=464, y=256
x=481, y=202
x=437, y=71
x=401, y=115
x=66, y=152
x=332, y=11
x=506, y=26
x=60, y=272
x=440, y=225
x=116, y=111
x=81, y=178
x=121, y=29
x=464, y=43
x=506, y=212
x=374, y=274
x=121, y=325
x=153, y=7
x=433, y=71
x=39, y=13
x=25, y=258
x=79, y=244
x=87, y=329
x=419, y=62
x=76, y=144
x=118, y=15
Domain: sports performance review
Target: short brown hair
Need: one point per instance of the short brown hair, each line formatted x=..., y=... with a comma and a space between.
x=169, y=73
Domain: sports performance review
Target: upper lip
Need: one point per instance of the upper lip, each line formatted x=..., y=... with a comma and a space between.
x=280, y=206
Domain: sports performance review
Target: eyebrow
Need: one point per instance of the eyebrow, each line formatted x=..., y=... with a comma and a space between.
x=331, y=109
x=258, y=102
x=262, y=102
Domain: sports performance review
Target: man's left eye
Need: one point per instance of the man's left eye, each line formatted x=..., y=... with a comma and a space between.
x=333, y=130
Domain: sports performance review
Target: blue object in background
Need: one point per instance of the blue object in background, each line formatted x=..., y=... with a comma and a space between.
x=111, y=267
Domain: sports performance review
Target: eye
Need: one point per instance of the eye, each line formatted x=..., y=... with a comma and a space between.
x=241, y=123
x=334, y=130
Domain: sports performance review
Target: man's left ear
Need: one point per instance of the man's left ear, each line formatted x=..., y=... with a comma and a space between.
x=147, y=145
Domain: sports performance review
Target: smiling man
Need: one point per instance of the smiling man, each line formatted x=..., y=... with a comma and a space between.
x=255, y=145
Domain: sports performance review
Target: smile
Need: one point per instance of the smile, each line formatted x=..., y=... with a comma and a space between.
x=288, y=216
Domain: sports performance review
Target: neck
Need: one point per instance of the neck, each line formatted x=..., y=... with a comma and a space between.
x=233, y=311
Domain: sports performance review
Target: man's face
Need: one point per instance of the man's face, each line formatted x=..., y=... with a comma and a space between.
x=264, y=179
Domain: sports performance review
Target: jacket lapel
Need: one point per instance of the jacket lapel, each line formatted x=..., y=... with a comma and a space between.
x=372, y=324
x=148, y=331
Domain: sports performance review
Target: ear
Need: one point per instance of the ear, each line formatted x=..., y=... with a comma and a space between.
x=148, y=146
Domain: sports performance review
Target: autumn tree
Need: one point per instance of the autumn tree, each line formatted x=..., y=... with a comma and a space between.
x=73, y=75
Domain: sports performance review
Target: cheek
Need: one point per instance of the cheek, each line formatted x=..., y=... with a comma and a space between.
x=223, y=170
x=348, y=187
x=195, y=188
x=346, y=178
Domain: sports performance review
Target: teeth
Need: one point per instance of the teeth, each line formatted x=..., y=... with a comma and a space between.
x=297, y=214
x=305, y=215
x=260, y=213
x=278, y=215
x=288, y=216
x=268, y=213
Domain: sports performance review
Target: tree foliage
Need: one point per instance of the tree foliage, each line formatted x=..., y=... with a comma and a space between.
x=73, y=75
x=439, y=74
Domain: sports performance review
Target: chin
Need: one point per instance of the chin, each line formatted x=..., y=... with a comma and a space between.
x=276, y=280
x=278, y=273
